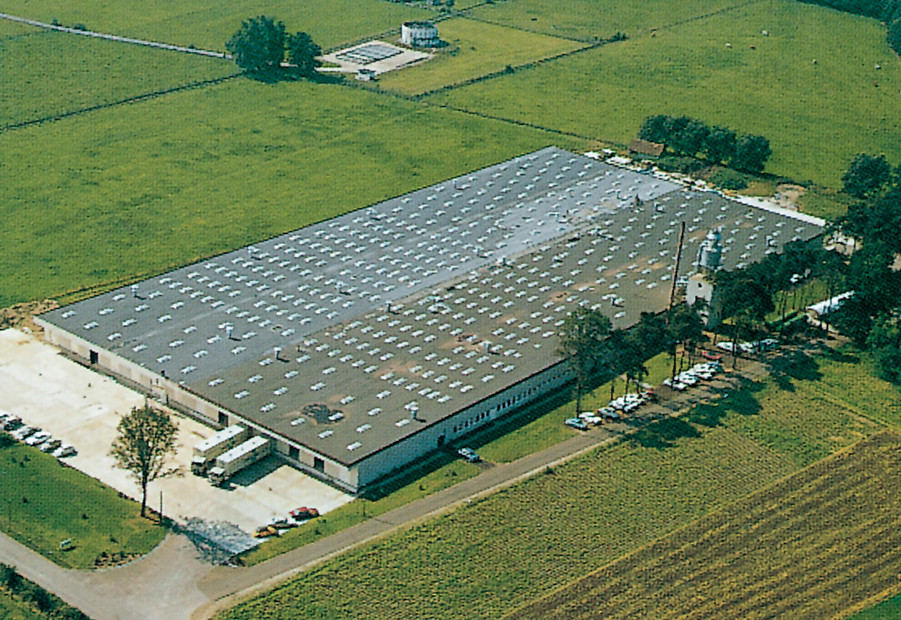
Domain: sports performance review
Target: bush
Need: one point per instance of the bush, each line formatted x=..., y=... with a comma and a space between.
x=728, y=179
x=6, y=440
x=9, y=578
x=894, y=36
x=685, y=165
x=39, y=597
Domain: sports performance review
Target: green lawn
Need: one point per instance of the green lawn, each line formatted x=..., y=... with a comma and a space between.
x=816, y=116
x=889, y=609
x=474, y=49
x=506, y=549
x=588, y=19
x=43, y=503
x=53, y=73
x=138, y=189
x=10, y=29
x=209, y=25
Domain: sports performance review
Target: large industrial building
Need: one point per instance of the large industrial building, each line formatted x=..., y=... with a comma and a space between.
x=364, y=342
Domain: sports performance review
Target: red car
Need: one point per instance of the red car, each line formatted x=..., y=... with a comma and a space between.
x=303, y=513
x=713, y=357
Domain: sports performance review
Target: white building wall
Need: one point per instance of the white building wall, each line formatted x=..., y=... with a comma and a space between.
x=462, y=423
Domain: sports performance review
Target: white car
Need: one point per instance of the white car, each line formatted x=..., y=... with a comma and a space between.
x=591, y=418
x=726, y=346
x=50, y=446
x=64, y=451
x=38, y=438
x=25, y=431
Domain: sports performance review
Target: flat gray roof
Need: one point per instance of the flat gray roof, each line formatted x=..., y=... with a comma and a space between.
x=426, y=303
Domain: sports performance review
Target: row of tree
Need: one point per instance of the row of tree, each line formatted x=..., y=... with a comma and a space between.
x=886, y=11
x=871, y=315
x=262, y=44
x=718, y=145
x=596, y=352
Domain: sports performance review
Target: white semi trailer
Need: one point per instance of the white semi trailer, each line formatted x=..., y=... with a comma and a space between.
x=239, y=457
x=206, y=451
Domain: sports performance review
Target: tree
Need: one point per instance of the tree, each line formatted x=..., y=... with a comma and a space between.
x=654, y=129
x=302, y=53
x=145, y=441
x=866, y=175
x=751, y=154
x=582, y=337
x=721, y=145
x=894, y=35
x=259, y=45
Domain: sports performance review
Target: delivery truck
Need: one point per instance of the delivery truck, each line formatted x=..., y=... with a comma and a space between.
x=239, y=457
x=206, y=451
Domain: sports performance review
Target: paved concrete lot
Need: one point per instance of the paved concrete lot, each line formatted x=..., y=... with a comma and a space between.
x=82, y=408
x=402, y=58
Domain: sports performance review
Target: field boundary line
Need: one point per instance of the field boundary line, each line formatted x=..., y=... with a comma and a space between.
x=117, y=38
x=819, y=463
x=112, y=104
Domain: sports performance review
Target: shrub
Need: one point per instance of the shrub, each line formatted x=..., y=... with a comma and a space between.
x=685, y=165
x=728, y=179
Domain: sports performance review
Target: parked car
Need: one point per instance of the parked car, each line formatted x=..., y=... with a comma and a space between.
x=713, y=357
x=676, y=385
x=64, y=450
x=38, y=438
x=726, y=346
x=265, y=531
x=50, y=446
x=12, y=423
x=25, y=431
x=469, y=455
x=303, y=513
x=609, y=414
x=281, y=523
x=576, y=423
x=589, y=418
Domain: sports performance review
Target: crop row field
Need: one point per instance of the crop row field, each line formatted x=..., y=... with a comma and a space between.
x=43, y=503
x=136, y=189
x=209, y=25
x=814, y=545
x=569, y=521
x=810, y=85
x=84, y=72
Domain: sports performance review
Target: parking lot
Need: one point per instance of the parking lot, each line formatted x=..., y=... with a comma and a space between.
x=82, y=408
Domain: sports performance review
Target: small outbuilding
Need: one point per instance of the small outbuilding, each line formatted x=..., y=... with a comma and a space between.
x=646, y=147
x=419, y=34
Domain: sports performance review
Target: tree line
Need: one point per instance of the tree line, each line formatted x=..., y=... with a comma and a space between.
x=871, y=315
x=886, y=11
x=718, y=145
x=596, y=352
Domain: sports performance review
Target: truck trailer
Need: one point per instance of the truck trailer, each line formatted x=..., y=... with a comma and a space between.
x=206, y=451
x=239, y=457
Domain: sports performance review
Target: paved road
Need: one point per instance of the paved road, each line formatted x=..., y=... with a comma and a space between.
x=112, y=37
x=196, y=590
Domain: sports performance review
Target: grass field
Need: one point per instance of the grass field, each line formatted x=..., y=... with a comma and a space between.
x=475, y=49
x=42, y=503
x=10, y=29
x=138, y=189
x=588, y=19
x=12, y=609
x=507, y=549
x=889, y=609
x=83, y=72
x=209, y=26
x=816, y=116
x=809, y=546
